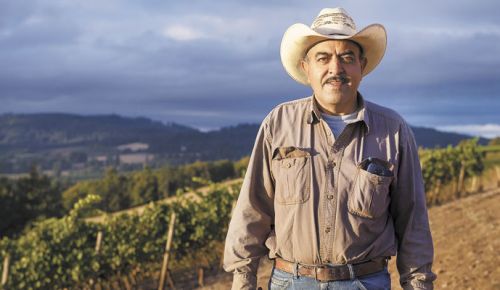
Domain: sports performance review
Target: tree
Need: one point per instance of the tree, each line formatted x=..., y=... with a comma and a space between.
x=221, y=170
x=27, y=198
x=143, y=187
x=241, y=165
x=113, y=190
x=494, y=141
x=11, y=212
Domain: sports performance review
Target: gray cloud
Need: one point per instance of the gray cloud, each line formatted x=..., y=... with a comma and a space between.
x=210, y=64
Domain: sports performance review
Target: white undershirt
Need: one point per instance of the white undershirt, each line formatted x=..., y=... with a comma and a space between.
x=338, y=123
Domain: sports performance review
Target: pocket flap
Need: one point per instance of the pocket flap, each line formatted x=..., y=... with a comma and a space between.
x=289, y=152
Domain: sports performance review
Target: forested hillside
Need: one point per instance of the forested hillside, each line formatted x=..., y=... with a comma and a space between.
x=82, y=146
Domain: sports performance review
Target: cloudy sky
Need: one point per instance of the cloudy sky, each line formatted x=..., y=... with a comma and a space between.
x=209, y=64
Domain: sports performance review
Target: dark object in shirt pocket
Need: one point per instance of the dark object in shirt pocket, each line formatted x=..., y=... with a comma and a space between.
x=369, y=197
x=377, y=166
x=291, y=170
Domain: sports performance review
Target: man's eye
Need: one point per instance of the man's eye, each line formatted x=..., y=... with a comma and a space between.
x=322, y=59
x=348, y=59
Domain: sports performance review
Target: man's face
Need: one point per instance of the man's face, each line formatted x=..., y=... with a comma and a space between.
x=334, y=69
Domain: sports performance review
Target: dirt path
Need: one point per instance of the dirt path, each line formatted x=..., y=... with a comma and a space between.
x=467, y=244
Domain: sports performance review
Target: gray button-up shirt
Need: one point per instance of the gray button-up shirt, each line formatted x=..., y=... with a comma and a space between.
x=308, y=198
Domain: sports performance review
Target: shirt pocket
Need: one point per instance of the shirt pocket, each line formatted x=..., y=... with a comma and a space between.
x=369, y=197
x=291, y=170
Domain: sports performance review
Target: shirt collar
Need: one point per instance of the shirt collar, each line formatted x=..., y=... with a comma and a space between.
x=315, y=114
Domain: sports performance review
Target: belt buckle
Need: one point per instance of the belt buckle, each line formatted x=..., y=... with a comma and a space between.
x=323, y=268
x=333, y=273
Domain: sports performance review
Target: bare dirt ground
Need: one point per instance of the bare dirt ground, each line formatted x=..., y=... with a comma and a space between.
x=466, y=236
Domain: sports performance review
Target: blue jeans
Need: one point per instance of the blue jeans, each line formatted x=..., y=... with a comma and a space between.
x=281, y=280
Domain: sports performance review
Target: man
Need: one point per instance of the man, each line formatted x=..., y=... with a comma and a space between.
x=334, y=185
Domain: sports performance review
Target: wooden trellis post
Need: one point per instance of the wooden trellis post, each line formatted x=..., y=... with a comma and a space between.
x=98, y=242
x=166, y=255
x=473, y=187
x=497, y=170
x=200, y=277
x=460, y=184
x=5, y=272
x=435, y=200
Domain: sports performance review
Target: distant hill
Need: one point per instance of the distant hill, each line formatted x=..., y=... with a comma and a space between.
x=48, y=137
x=46, y=130
x=430, y=138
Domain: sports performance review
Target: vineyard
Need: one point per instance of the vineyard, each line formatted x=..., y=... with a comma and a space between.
x=124, y=251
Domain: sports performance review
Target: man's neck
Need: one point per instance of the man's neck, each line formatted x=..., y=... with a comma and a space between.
x=338, y=110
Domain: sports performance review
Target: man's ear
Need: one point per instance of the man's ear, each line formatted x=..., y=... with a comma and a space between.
x=305, y=67
x=363, y=61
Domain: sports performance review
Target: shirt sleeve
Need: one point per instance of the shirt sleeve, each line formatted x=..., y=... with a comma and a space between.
x=252, y=216
x=409, y=211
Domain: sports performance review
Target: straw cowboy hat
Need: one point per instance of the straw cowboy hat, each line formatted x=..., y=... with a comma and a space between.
x=331, y=23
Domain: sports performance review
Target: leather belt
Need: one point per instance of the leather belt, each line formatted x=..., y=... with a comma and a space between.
x=332, y=273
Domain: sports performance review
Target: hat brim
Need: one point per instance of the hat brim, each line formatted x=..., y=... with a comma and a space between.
x=299, y=38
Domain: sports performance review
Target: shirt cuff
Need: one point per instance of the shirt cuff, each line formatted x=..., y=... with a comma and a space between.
x=244, y=281
x=417, y=285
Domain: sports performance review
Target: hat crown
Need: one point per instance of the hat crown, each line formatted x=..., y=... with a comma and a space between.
x=334, y=21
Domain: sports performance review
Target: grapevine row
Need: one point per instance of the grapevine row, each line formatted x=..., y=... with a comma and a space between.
x=60, y=253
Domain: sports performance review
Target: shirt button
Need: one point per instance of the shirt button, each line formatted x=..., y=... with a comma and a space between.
x=330, y=196
x=288, y=165
x=327, y=230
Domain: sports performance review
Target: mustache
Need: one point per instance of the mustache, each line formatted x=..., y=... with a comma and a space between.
x=338, y=78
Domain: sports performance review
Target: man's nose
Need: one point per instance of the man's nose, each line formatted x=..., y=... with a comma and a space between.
x=335, y=66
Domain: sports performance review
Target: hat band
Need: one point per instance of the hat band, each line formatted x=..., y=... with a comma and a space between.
x=334, y=18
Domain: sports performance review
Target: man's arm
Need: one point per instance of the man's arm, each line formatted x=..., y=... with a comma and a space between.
x=252, y=216
x=408, y=208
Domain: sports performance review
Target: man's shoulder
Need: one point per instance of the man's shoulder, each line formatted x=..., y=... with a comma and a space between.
x=290, y=109
x=294, y=104
x=379, y=112
x=291, y=114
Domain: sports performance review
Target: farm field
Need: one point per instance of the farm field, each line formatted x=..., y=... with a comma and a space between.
x=124, y=247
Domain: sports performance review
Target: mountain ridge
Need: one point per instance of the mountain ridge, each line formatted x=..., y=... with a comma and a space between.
x=47, y=138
